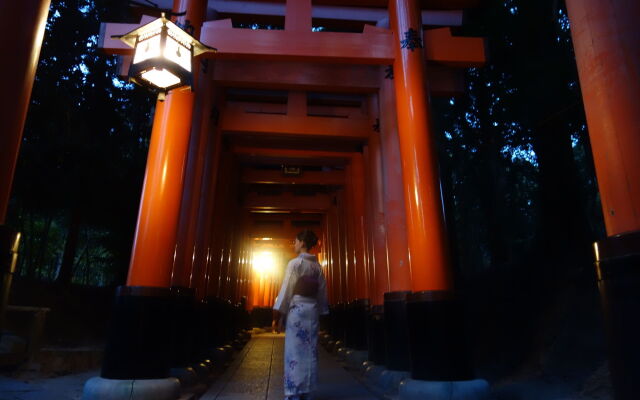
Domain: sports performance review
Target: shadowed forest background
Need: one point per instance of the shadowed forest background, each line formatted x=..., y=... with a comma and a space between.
x=522, y=201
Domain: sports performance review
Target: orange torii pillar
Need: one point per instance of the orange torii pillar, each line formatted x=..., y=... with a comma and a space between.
x=349, y=246
x=324, y=257
x=232, y=274
x=21, y=31
x=367, y=224
x=140, y=351
x=227, y=273
x=201, y=135
x=242, y=259
x=606, y=39
x=342, y=249
x=246, y=270
x=205, y=220
x=211, y=214
x=228, y=235
x=332, y=273
x=436, y=333
x=242, y=316
x=220, y=242
x=230, y=232
x=187, y=312
x=326, y=238
x=339, y=234
x=236, y=261
x=357, y=308
x=217, y=236
x=213, y=235
x=379, y=268
x=395, y=316
x=358, y=186
x=325, y=260
x=336, y=264
x=333, y=288
x=202, y=263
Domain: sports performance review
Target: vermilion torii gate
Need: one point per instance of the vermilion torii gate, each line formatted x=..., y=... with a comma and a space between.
x=350, y=110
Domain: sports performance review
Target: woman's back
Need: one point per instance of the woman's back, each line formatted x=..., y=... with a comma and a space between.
x=304, y=278
x=308, y=273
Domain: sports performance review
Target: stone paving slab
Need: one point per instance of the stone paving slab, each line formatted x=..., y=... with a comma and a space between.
x=256, y=374
x=67, y=387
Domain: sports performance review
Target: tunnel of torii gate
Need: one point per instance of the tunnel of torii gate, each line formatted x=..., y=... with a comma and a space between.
x=292, y=129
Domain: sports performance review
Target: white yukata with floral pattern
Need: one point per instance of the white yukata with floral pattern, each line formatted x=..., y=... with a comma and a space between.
x=301, y=333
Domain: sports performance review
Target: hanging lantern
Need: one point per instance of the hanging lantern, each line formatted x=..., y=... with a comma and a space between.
x=163, y=55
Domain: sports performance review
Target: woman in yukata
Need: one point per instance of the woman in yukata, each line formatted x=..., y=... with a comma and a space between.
x=302, y=298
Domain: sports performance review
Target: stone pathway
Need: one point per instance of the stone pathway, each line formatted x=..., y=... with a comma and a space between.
x=67, y=387
x=256, y=374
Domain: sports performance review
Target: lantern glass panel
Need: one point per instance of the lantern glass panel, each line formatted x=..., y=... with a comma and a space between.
x=160, y=78
x=147, y=48
x=178, y=53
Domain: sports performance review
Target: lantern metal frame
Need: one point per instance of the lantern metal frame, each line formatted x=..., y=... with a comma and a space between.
x=165, y=29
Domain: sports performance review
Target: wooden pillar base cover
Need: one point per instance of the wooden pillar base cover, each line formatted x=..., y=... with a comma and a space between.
x=618, y=269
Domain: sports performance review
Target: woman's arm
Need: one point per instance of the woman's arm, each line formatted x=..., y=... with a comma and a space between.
x=323, y=303
x=286, y=290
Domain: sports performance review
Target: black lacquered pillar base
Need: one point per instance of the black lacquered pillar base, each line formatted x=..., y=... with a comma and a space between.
x=396, y=331
x=439, y=350
x=183, y=318
x=261, y=317
x=202, y=345
x=331, y=322
x=216, y=320
x=376, y=337
x=339, y=322
x=229, y=321
x=324, y=323
x=357, y=315
x=138, y=345
x=618, y=269
x=241, y=318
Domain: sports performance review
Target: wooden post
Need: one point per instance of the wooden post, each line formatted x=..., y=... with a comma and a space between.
x=350, y=240
x=380, y=267
x=155, y=238
x=201, y=135
x=436, y=332
x=22, y=30
x=606, y=42
x=606, y=39
x=393, y=192
x=298, y=15
x=358, y=216
x=336, y=274
x=426, y=237
x=202, y=246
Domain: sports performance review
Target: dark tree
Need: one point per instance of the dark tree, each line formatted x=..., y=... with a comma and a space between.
x=81, y=162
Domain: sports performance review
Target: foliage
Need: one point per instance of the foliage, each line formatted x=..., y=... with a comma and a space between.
x=495, y=142
x=82, y=156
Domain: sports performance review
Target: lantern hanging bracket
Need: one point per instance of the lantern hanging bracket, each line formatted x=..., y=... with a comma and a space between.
x=153, y=6
x=130, y=37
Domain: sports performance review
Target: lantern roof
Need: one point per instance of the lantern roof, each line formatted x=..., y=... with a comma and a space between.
x=156, y=25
